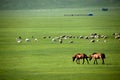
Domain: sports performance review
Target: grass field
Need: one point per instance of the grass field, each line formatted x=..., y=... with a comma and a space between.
x=44, y=60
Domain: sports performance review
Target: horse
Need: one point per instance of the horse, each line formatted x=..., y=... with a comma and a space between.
x=96, y=56
x=79, y=56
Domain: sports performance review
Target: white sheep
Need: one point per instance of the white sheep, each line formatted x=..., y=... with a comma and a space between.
x=18, y=40
x=36, y=39
x=27, y=40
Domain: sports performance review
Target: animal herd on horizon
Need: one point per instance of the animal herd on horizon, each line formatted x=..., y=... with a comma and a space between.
x=84, y=57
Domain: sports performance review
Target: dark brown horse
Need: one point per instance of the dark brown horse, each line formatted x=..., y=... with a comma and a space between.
x=96, y=56
x=79, y=56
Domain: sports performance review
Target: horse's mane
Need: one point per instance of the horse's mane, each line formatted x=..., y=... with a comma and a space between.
x=94, y=53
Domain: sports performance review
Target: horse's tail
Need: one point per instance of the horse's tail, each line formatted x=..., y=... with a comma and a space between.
x=103, y=56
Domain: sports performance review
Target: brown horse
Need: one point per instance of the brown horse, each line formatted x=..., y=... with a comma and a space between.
x=96, y=56
x=79, y=56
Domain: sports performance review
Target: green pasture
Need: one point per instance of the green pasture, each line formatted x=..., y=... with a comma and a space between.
x=44, y=60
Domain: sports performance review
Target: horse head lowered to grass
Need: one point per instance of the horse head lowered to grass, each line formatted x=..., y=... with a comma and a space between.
x=79, y=56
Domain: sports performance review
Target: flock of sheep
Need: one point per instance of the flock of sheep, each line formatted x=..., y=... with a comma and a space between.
x=94, y=37
x=20, y=39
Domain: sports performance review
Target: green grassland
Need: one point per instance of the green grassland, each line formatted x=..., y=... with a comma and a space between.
x=44, y=60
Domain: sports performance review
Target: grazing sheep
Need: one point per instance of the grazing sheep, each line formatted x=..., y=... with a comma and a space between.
x=91, y=37
x=54, y=39
x=60, y=41
x=70, y=36
x=86, y=37
x=117, y=37
x=93, y=34
x=81, y=37
x=18, y=40
x=65, y=37
x=115, y=34
x=36, y=39
x=92, y=40
x=27, y=40
x=97, y=40
x=62, y=36
x=105, y=37
x=98, y=36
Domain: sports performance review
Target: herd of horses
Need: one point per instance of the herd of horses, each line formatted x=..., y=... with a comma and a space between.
x=84, y=57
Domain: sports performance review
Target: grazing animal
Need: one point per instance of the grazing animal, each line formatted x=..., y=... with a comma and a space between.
x=54, y=39
x=79, y=56
x=92, y=40
x=36, y=39
x=96, y=56
x=60, y=41
x=19, y=40
x=27, y=40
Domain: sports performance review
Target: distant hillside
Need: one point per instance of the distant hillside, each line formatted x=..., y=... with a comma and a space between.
x=46, y=4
